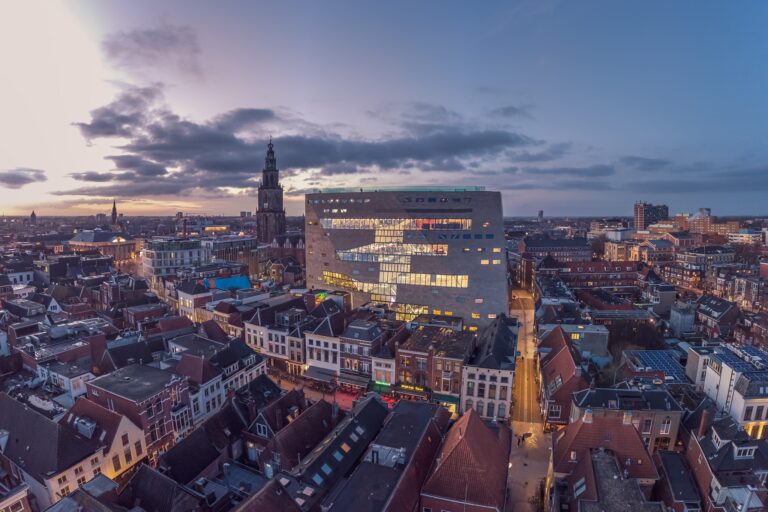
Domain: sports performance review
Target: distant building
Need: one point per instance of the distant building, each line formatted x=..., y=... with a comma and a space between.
x=681, y=319
x=121, y=246
x=647, y=214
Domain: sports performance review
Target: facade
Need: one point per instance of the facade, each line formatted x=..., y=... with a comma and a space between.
x=159, y=406
x=488, y=375
x=560, y=375
x=654, y=412
x=418, y=249
x=165, y=256
x=121, y=246
x=647, y=214
x=681, y=318
x=737, y=382
x=562, y=249
x=270, y=215
x=232, y=248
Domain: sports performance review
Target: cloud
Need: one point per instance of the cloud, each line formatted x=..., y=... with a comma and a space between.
x=155, y=48
x=741, y=180
x=510, y=111
x=123, y=116
x=552, y=152
x=244, y=118
x=591, y=171
x=639, y=163
x=183, y=156
x=21, y=176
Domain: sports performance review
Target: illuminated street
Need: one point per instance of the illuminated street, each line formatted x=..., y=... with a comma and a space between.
x=530, y=459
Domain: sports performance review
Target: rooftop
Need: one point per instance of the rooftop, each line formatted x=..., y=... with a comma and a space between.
x=447, y=342
x=614, y=492
x=136, y=382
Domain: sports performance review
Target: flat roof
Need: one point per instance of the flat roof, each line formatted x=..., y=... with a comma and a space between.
x=424, y=188
x=136, y=382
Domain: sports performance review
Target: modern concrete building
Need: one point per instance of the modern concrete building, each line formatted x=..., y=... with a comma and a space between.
x=422, y=250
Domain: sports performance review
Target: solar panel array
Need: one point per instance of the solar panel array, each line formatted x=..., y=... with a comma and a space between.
x=660, y=360
x=736, y=361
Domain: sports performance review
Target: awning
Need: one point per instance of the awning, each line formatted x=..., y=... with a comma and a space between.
x=411, y=391
x=320, y=374
x=381, y=387
x=352, y=379
x=448, y=399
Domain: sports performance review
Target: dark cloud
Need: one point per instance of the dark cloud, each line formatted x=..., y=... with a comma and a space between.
x=122, y=117
x=560, y=185
x=155, y=48
x=183, y=155
x=552, y=152
x=741, y=180
x=510, y=111
x=240, y=118
x=94, y=176
x=591, y=171
x=137, y=165
x=20, y=176
x=640, y=163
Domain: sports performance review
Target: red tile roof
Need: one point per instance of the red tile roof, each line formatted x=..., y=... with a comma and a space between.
x=197, y=368
x=608, y=432
x=174, y=323
x=472, y=464
x=561, y=362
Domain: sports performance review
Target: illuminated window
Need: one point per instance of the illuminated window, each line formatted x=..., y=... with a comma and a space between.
x=497, y=262
x=497, y=249
x=484, y=262
x=478, y=301
x=475, y=315
x=491, y=315
x=472, y=327
x=398, y=224
x=448, y=313
x=436, y=312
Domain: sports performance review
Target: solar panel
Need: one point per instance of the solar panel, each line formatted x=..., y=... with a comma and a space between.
x=660, y=360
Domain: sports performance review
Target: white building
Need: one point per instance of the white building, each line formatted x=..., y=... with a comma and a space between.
x=737, y=381
x=164, y=256
x=488, y=377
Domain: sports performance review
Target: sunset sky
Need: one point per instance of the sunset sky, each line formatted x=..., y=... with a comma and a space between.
x=575, y=108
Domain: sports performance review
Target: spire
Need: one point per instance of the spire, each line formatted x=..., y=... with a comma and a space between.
x=114, y=212
x=270, y=163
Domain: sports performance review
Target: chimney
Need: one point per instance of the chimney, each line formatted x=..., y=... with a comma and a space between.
x=703, y=423
x=588, y=415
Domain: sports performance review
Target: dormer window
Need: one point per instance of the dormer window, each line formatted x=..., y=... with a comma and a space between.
x=747, y=452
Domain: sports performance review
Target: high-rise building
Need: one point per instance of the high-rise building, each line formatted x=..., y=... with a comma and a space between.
x=421, y=250
x=541, y=216
x=270, y=216
x=33, y=218
x=647, y=214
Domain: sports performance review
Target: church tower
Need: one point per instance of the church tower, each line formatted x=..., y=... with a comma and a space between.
x=114, y=213
x=270, y=215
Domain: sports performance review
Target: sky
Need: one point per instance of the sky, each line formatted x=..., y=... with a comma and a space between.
x=574, y=108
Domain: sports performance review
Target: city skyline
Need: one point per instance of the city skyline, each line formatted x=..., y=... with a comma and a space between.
x=574, y=109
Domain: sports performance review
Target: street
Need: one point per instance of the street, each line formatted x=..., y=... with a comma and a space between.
x=529, y=460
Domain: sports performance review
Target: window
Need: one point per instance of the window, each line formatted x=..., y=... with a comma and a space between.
x=81, y=481
x=554, y=411
x=468, y=406
x=62, y=480
x=116, y=463
x=139, y=450
x=647, y=425
x=579, y=488
x=125, y=439
x=502, y=412
x=748, y=413
x=666, y=426
x=64, y=490
x=481, y=390
x=759, y=412
x=573, y=455
x=470, y=388
x=78, y=470
x=484, y=262
x=490, y=410
x=128, y=455
x=96, y=471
